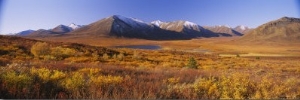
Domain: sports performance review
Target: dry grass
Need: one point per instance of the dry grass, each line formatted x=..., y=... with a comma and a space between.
x=214, y=45
x=91, y=72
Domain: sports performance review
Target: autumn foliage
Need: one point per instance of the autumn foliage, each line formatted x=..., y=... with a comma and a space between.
x=44, y=70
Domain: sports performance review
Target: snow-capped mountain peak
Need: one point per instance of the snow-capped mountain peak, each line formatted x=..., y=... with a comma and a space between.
x=131, y=21
x=188, y=23
x=61, y=29
x=242, y=27
x=157, y=22
x=74, y=26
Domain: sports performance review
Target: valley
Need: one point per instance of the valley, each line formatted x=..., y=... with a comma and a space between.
x=217, y=45
x=123, y=58
x=150, y=49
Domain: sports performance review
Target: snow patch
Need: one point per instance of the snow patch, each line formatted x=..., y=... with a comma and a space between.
x=157, y=22
x=74, y=26
x=227, y=26
x=242, y=27
x=132, y=21
x=188, y=23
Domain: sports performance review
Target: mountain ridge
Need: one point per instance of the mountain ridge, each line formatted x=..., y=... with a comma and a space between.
x=120, y=26
x=58, y=30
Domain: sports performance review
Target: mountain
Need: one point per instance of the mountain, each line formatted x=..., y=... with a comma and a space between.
x=119, y=26
x=285, y=29
x=223, y=30
x=62, y=29
x=177, y=26
x=56, y=31
x=242, y=29
x=185, y=27
x=24, y=33
x=43, y=33
x=74, y=26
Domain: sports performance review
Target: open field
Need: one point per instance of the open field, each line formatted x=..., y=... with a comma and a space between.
x=183, y=69
x=219, y=45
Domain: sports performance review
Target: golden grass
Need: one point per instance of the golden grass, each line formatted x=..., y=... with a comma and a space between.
x=120, y=73
x=218, y=45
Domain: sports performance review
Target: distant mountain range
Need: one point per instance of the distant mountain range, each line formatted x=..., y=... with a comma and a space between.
x=58, y=30
x=120, y=26
x=24, y=33
x=224, y=30
x=285, y=29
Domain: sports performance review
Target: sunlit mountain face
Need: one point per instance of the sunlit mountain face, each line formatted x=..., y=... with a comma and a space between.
x=285, y=29
x=121, y=26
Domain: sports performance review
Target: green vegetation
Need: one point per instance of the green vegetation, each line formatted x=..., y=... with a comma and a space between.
x=192, y=63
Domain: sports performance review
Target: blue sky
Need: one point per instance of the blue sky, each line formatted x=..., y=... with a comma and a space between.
x=19, y=15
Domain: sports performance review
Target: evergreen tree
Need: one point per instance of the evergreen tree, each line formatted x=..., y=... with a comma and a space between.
x=192, y=63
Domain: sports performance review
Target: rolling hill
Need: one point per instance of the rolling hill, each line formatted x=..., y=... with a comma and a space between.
x=13, y=47
x=285, y=29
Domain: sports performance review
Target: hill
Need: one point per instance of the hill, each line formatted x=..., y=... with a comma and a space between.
x=285, y=29
x=16, y=48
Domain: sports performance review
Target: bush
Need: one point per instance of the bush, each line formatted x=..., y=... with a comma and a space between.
x=105, y=56
x=136, y=55
x=73, y=83
x=207, y=88
x=40, y=49
x=47, y=75
x=61, y=53
x=120, y=56
x=15, y=85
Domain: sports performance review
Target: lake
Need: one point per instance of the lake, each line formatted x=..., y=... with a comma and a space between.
x=147, y=47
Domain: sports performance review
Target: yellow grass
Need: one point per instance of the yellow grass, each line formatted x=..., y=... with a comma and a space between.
x=219, y=45
x=90, y=72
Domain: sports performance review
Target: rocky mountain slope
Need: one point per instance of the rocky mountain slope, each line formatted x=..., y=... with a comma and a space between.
x=120, y=26
x=223, y=30
x=285, y=29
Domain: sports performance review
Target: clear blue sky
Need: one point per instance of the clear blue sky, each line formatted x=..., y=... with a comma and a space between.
x=19, y=15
